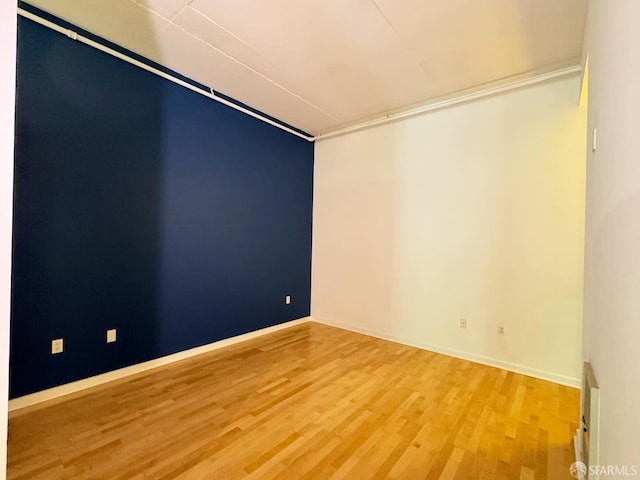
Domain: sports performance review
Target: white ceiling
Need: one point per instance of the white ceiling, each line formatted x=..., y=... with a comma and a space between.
x=323, y=65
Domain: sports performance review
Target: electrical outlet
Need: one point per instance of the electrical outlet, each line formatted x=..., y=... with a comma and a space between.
x=111, y=335
x=287, y=299
x=57, y=346
x=463, y=323
x=500, y=330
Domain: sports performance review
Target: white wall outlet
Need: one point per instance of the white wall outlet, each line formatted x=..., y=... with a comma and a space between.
x=111, y=335
x=463, y=323
x=500, y=329
x=57, y=346
x=287, y=299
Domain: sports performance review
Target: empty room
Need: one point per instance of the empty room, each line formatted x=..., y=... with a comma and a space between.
x=320, y=240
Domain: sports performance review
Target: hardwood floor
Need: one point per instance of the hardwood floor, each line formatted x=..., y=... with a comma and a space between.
x=308, y=402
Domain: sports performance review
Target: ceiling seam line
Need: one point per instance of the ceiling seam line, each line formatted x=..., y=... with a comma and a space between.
x=206, y=17
x=273, y=82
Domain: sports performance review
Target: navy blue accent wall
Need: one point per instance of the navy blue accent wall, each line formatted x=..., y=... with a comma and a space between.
x=143, y=206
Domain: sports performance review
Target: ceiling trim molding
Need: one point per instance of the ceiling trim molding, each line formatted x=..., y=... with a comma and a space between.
x=207, y=93
x=386, y=118
x=438, y=105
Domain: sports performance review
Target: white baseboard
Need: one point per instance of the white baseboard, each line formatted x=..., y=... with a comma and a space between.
x=492, y=362
x=77, y=386
x=73, y=387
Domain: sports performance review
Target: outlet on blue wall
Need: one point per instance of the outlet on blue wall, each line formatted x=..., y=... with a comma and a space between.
x=143, y=206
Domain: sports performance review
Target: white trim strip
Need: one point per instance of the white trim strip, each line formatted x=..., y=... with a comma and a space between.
x=209, y=94
x=430, y=107
x=472, y=357
x=73, y=387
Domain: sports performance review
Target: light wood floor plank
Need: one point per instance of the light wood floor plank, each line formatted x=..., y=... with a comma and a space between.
x=308, y=402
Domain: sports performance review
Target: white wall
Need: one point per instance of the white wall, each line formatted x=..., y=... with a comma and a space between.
x=474, y=212
x=7, y=97
x=612, y=256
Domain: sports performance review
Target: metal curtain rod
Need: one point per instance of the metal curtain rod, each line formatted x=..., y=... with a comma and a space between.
x=209, y=94
x=439, y=105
